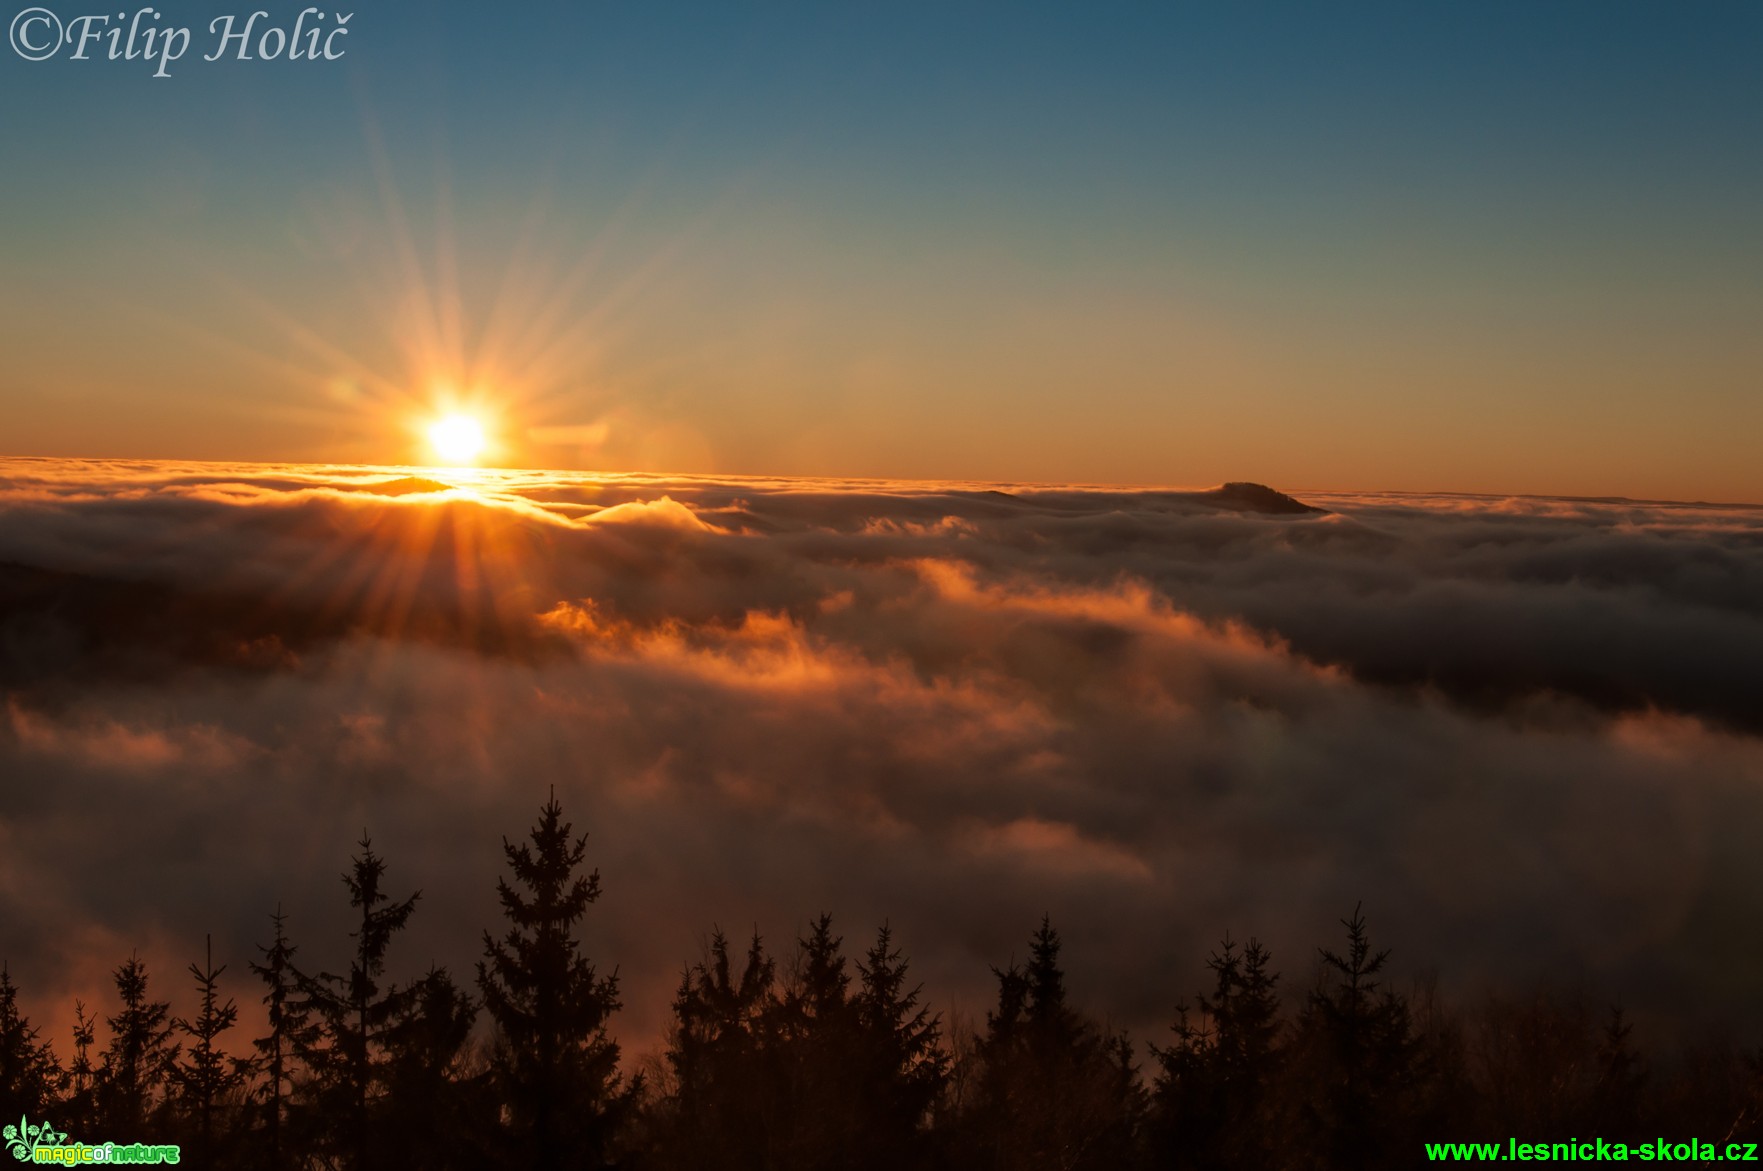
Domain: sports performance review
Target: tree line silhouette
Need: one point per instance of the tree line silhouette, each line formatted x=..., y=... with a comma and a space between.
x=835, y=1062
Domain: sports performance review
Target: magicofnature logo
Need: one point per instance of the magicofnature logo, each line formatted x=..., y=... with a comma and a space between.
x=41, y=1143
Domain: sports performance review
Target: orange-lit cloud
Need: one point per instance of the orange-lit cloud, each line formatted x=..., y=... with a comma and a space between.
x=1154, y=715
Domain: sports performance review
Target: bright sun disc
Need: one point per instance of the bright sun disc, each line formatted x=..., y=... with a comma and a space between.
x=457, y=439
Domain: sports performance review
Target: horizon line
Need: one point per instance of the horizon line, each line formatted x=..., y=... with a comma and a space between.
x=442, y=470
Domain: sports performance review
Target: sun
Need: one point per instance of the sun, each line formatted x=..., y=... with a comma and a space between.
x=457, y=439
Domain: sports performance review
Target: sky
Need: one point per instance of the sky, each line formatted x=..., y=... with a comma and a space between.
x=1519, y=731
x=1497, y=248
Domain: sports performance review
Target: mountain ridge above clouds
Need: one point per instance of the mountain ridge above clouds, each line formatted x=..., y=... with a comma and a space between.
x=1248, y=496
x=1243, y=495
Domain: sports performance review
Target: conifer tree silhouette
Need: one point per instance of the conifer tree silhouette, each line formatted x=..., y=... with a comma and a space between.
x=353, y=1012
x=1246, y=1007
x=903, y=1067
x=838, y=1064
x=1054, y=1090
x=723, y=1110
x=820, y=995
x=138, y=1059
x=1620, y=1078
x=208, y=1077
x=822, y=1073
x=1361, y=1053
x=30, y=1076
x=81, y=1104
x=429, y=1106
x=1213, y=1082
x=554, y=1066
x=291, y=1032
x=814, y=1088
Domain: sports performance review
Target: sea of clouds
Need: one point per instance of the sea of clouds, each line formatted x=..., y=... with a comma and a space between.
x=1527, y=733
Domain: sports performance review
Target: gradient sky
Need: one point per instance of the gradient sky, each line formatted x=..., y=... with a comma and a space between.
x=1488, y=247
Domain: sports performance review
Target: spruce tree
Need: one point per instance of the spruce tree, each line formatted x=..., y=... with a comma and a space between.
x=81, y=1105
x=819, y=995
x=30, y=1076
x=208, y=1076
x=429, y=1109
x=138, y=1059
x=1620, y=1078
x=1246, y=1008
x=1213, y=1083
x=554, y=1065
x=353, y=1012
x=291, y=1032
x=1360, y=1056
x=811, y=1068
x=903, y=1065
x=723, y=1110
x=1054, y=1090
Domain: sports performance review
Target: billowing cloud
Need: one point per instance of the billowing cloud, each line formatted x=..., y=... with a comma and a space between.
x=1523, y=731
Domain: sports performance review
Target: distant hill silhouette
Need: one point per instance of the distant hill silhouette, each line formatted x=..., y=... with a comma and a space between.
x=1245, y=496
x=404, y=486
x=1235, y=496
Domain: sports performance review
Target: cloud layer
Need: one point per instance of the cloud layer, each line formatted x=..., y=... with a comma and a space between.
x=1523, y=731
